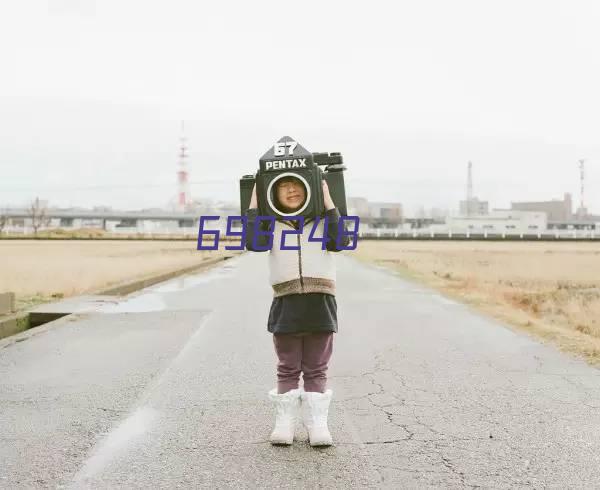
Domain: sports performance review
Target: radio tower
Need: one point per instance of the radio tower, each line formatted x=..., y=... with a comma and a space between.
x=183, y=192
x=582, y=211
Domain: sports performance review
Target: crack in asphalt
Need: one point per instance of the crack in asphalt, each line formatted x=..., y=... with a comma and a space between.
x=379, y=389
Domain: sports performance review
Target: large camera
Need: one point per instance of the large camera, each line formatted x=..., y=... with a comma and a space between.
x=288, y=161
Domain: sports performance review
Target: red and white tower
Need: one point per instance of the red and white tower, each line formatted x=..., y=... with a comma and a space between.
x=183, y=186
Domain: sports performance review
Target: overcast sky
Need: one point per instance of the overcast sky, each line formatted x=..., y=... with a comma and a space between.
x=92, y=94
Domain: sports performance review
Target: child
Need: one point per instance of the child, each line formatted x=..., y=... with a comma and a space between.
x=303, y=315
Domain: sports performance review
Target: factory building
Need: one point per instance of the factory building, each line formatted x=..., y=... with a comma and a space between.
x=386, y=210
x=473, y=206
x=375, y=214
x=497, y=221
x=557, y=210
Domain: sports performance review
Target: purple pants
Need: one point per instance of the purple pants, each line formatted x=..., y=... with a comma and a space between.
x=308, y=353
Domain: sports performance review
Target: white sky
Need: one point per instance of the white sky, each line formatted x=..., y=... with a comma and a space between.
x=91, y=95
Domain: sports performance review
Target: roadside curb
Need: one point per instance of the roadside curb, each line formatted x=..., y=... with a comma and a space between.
x=13, y=324
x=18, y=323
x=131, y=286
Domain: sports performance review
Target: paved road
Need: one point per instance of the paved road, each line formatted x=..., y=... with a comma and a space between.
x=168, y=389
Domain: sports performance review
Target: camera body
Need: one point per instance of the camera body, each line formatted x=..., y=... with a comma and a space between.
x=287, y=158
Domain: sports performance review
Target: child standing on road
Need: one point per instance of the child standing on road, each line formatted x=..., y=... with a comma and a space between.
x=303, y=314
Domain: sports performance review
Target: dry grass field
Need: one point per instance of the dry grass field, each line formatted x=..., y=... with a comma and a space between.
x=44, y=270
x=551, y=290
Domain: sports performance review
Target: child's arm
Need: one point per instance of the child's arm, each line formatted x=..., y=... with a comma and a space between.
x=333, y=217
x=261, y=240
x=252, y=213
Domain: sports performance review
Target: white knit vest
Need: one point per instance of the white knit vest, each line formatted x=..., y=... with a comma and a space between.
x=310, y=269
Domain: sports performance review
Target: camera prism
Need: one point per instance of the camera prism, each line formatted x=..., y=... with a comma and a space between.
x=289, y=182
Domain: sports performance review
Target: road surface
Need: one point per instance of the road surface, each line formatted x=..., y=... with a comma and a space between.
x=168, y=388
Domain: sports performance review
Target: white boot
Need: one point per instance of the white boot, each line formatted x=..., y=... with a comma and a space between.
x=287, y=406
x=315, y=408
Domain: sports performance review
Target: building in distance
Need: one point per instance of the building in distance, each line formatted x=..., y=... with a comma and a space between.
x=473, y=207
x=557, y=210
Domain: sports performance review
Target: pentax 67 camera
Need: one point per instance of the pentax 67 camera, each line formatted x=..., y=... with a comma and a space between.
x=289, y=182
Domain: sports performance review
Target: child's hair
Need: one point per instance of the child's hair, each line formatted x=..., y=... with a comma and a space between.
x=288, y=178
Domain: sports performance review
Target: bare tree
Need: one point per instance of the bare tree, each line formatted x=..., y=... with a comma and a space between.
x=37, y=213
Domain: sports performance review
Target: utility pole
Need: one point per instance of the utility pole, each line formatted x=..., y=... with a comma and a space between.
x=582, y=211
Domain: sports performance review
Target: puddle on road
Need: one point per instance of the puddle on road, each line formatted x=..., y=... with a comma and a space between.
x=150, y=298
x=190, y=281
x=137, y=304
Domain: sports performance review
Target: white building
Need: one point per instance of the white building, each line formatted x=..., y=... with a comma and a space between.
x=498, y=221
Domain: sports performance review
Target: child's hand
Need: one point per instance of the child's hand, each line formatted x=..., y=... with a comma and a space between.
x=327, y=197
x=253, y=200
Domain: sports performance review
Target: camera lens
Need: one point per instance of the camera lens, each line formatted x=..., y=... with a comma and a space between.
x=289, y=194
